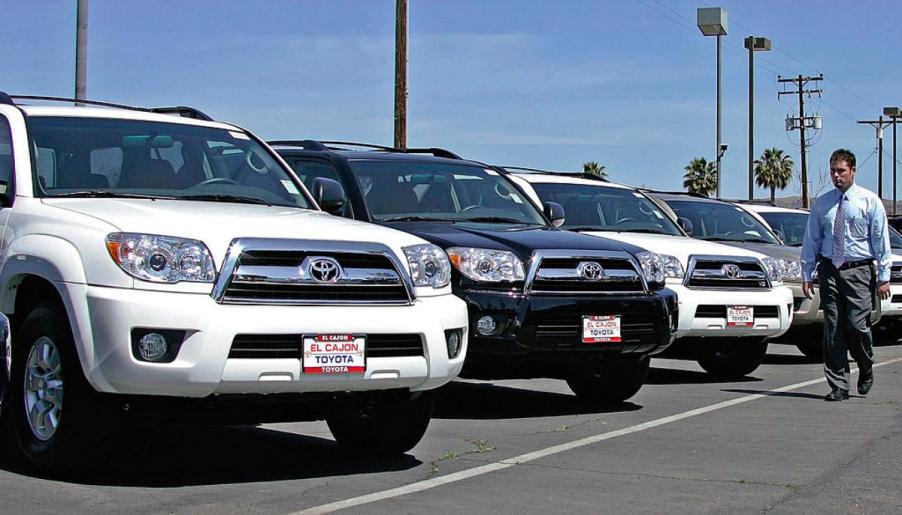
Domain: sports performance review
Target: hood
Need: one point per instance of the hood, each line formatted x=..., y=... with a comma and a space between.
x=770, y=250
x=522, y=241
x=218, y=223
x=680, y=247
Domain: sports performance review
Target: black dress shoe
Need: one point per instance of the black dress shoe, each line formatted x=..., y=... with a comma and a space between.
x=865, y=381
x=837, y=394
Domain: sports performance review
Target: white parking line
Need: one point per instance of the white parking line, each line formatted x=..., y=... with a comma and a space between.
x=555, y=449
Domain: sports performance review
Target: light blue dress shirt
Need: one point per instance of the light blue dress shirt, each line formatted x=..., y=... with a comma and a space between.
x=866, y=234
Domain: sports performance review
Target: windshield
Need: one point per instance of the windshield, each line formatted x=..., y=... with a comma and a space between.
x=722, y=222
x=599, y=208
x=895, y=239
x=91, y=157
x=790, y=225
x=398, y=190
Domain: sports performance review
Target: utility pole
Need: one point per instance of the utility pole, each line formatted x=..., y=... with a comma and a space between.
x=753, y=44
x=81, y=50
x=894, y=113
x=879, y=124
x=802, y=122
x=401, y=74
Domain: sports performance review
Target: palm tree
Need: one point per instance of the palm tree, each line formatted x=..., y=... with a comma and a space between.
x=700, y=176
x=592, y=167
x=773, y=170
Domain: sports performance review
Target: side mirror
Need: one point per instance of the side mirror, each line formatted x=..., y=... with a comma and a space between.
x=686, y=224
x=554, y=212
x=329, y=195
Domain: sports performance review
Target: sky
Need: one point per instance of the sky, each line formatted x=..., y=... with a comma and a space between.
x=537, y=83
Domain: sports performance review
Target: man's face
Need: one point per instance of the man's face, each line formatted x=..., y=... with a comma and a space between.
x=842, y=174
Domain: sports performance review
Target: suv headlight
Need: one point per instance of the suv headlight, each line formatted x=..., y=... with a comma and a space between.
x=487, y=265
x=161, y=259
x=657, y=267
x=775, y=269
x=429, y=265
x=793, y=270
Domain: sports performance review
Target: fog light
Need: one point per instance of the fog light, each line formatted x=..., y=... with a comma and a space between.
x=486, y=326
x=454, y=341
x=152, y=346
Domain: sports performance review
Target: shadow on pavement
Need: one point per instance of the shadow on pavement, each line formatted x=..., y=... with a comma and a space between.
x=778, y=394
x=488, y=401
x=176, y=455
x=788, y=359
x=657, y=375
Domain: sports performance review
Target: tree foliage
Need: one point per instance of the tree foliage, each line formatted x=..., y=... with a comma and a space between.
x=773, y=170
x=700, y=176
x=592, y=167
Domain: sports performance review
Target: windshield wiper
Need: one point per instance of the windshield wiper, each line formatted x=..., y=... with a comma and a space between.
x=494, y=219
x=412, y=218
x=107, y=194
x=227, y=198
x=586, y=228
x=739, y=240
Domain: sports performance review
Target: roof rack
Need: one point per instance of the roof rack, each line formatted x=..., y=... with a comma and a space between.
x=581, y=175
x=757, y=202
x=342, y=145
x=307, y=144
x=184, y=111
x=686, y=193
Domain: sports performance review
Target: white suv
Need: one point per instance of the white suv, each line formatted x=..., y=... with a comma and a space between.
x=730, y=299
x=156, y=257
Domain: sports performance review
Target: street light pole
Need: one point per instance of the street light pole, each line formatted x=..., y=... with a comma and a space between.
x=753, y=44
x=81, y=50
x=712, y=21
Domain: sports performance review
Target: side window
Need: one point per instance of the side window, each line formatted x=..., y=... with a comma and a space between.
x=307, y=171
x=6, y=155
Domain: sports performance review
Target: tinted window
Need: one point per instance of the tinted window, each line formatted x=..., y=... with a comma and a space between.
x=6, y=155
x=895, y=239
x=307, y=171
x=90, y=156
x=601, y=208
x=790, y=225
x=397, y=190
x=722, y=222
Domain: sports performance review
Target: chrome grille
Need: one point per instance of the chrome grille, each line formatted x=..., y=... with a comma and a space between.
x=895, y=275
x=260, y=271
x=582, y=272
x=726, y=272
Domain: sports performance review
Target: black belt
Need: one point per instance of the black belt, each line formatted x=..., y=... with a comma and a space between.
x=848, y=264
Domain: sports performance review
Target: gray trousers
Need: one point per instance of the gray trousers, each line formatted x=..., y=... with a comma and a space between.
x=847, y=298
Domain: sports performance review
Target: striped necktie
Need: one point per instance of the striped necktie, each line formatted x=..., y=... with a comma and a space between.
x=839, y=234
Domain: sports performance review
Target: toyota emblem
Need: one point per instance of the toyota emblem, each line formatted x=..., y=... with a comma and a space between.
x=323, y=269
x=730, y=270
x=590, y=270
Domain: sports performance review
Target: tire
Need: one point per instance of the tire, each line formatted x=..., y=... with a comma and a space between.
x=384, y=426
x=732, y=358
x=813, y=350
x=52, y=429
x=616, y=381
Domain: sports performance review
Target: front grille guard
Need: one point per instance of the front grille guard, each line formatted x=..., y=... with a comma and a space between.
x=239, y=246
x=539, y=255
x=752, y=275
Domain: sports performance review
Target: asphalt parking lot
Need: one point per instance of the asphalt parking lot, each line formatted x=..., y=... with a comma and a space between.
x=684, y=444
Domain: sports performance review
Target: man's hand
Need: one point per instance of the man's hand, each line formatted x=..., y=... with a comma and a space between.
x=883, y=290
x=808, y=289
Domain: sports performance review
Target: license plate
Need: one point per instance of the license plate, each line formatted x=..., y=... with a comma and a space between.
x=740, y=316
x=601, y=329
x=334, y=354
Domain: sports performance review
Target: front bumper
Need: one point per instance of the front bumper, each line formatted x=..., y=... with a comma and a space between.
x=541, y=335
x=893, y=307
x=807, y=311
x=703, y=312
x=203, y=366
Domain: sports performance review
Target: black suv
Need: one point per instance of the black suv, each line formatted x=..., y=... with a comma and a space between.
x=542, y=302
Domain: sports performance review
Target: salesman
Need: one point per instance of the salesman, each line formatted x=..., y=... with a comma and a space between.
x=848, y=243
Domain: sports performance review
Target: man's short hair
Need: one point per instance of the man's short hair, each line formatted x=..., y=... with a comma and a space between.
x=843, y=154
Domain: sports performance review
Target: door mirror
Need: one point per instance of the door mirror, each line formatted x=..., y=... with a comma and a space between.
x=686, y=224
x=329, y=195
x=554, y=212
